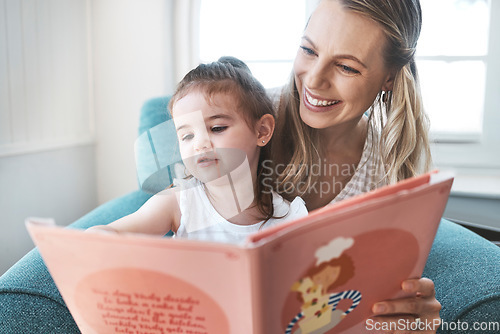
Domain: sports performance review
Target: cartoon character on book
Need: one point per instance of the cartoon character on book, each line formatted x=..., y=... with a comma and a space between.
x=315, y=290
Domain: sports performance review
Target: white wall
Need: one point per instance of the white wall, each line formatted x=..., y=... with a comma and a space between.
x=47, y=162
x=57, y=183
x=131, y=63
x=126, y=59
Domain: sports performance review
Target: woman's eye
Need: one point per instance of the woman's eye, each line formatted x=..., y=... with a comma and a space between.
x=348, y=69
x=217, y=129
x=308, y=51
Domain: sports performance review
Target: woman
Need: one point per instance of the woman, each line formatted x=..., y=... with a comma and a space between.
x=354, y=114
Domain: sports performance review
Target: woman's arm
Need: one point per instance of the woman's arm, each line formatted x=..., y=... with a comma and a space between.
x=417, y=313
x=157, y=216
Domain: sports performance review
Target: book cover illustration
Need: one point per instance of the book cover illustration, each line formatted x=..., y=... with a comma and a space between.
x=319, y=312
x=336, y=292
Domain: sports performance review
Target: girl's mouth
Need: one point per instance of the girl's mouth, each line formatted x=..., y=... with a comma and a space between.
x=206, y=161
x=315, y=103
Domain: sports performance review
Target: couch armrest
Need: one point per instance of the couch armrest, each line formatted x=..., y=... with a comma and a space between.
x=30, y=302
x=465, y=269
x=29, y=299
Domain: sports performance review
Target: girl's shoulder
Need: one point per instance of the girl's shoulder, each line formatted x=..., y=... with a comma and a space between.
x=289, y=210
x=167, y=196
x=185, y=183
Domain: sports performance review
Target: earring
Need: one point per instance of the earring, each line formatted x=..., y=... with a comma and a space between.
x=263, y=142
x=386, y=95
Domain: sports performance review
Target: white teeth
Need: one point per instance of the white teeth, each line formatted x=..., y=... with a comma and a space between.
x=316, y=102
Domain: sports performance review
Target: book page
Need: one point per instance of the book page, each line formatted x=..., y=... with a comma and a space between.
x=140, y=284
x=324, y=274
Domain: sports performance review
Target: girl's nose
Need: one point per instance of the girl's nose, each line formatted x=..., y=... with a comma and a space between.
x=203, y=143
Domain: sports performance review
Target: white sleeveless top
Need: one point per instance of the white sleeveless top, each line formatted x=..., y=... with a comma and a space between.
x=200, y=220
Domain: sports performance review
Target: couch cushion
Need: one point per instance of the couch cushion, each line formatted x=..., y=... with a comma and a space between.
x=30, y=301
x=465, y=269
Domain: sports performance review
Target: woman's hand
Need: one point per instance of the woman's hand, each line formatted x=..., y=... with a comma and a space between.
x=416, y=313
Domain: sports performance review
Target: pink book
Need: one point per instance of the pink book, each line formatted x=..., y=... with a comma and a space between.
x=319, y=274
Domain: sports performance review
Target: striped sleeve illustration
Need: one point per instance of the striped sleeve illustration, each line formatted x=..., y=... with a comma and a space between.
x=353, y=295
x=293, y=322
x=333, y=300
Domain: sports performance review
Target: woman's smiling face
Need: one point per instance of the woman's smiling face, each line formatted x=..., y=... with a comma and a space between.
x=339, y=68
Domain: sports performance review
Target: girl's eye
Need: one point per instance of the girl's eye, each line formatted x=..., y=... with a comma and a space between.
x=218, y=129
x=187, y=137
x=308, y=51
x=348, y=70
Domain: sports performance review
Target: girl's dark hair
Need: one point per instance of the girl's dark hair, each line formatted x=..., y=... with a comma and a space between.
x=229, y=75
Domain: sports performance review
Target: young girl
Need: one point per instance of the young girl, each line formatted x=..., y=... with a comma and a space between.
x=224, y=122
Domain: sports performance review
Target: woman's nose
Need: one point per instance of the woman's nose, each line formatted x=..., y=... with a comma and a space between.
x=318, y=77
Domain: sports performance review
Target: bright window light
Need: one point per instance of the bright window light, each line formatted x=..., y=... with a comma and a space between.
x=454, y=28
x=452, y=52
x=451, y=56
x=265, y=34
x=453, y=94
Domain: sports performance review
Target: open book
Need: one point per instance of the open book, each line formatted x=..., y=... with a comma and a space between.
x=319, y=274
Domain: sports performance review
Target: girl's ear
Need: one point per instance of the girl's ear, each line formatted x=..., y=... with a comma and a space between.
x=265, y=129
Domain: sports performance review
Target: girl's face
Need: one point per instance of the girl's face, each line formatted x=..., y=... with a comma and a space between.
x=214, y=139
x=339, y=68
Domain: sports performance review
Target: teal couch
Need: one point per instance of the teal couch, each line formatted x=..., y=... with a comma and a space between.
x=464, y=267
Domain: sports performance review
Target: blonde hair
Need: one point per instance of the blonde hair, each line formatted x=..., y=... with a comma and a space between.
x=399, y=117
x=403, y=122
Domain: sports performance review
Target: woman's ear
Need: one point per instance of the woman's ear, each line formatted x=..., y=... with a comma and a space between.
x=389, y=81
x=265, y=129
